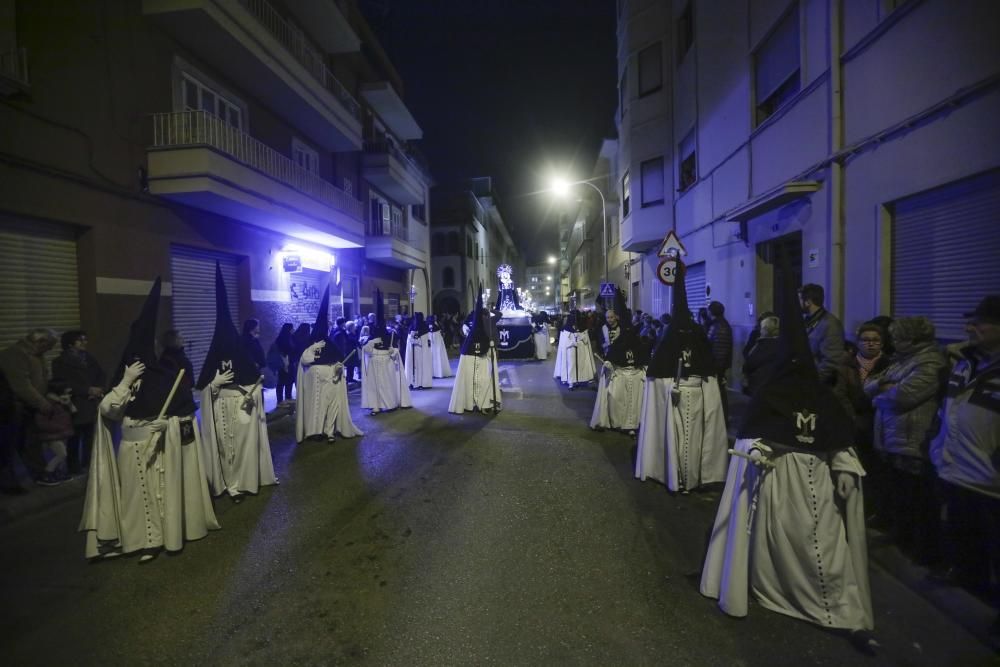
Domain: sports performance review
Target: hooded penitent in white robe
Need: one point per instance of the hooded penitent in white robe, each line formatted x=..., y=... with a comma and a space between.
x=564, y=339
x=619, y=397
x=577, y=359
x=440, y=366
x=784, y=534
x=154, y=493
x=542, y=342
x=321, y=406
x=237, y=451
x=383, y=383
x=419, y=363
x=683, y=445
x=477, y=384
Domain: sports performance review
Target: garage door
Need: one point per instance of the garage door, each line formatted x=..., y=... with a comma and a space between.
x=694, y=281
x=38, y=280
x=193, y=275
x=945, y=250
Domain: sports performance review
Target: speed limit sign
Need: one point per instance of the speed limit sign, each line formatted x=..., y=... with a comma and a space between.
x=666, y=271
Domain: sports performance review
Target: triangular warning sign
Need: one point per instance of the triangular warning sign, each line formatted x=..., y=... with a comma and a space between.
x=671, y=243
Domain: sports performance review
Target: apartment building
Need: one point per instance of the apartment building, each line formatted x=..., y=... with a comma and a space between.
x=541, y=281
x=857, y=138
x=158, y=137
x=469, y=241
x=590, y=239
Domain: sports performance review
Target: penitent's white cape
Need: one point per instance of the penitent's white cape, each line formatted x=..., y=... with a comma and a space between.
x=321, y=406
x=439, y=356
x=542, y=342
x=683, y=445
x=477, y=384
x=383, y=383
x=237, y=451
x=419, y=363
x=564, y=339
x=153, y=494
x=802, y=551
x=619, y=398
x=577, y=359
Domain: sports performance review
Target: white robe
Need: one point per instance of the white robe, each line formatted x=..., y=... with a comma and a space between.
x=801, y=551
x=419, y=363
x=237, y=451
x=153, y=494
x=439, y=356
x=619, y=398
x=542, y=342
x=564, y=338
x=476, y=384
x=684, y=445
x=578, y=359
x=321, y=406
x=383, y=383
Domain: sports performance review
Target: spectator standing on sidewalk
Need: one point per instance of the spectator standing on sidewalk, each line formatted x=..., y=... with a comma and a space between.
x=52, y=430
x=279, y=360
x=85, y=377
x=762, y=359
x=23, y=367
x=826, y=340
x=720, y=335
x=966, y=453
x=870, y=361
x=906, y=397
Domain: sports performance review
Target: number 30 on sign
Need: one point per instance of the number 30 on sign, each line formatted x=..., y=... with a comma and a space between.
x=666, y=271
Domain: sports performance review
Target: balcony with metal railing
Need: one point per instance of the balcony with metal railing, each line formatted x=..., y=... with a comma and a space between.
x=262, y=53
x=394, y=243
x=13, y=71
x=393, y=171
x=199, y=159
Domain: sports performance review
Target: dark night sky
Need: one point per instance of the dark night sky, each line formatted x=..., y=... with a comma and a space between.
x=514, y=89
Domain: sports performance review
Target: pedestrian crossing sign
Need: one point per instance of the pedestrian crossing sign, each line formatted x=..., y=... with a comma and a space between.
x=607, y=289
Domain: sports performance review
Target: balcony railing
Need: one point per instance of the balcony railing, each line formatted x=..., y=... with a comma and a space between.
x=386, y=144
x=200, y=128
x=293, y=40
x=14, y=65
x=394, y=229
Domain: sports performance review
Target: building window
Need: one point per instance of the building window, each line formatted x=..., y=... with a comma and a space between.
x=468, y=247
x=305, y=156
x=626, y=196
x=652, y=182
x=650, y=70
x=614, y=232
x=348, y=186
x=437, y=244
x=448, y=277
x=623, y=92
x=685, y=32
x=419, y=211
x=198, y=96
x=776, y=67
x=687, y=171
x=453, y=247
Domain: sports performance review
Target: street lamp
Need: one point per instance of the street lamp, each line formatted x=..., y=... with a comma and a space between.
x=561, y=188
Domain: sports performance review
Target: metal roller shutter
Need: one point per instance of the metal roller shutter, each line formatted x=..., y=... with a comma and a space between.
x=193, y=276
x=946, y=252
x=694, y=281
x=38, y=280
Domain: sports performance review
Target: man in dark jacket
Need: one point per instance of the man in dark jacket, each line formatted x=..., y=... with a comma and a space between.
x=763, y=358
x=720, y=335
x=85, y=378
x=23, y=368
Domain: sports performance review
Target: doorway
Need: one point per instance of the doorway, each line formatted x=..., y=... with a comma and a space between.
x=771, y=274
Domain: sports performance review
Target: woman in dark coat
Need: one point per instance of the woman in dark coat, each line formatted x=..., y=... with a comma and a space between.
x=80, y=371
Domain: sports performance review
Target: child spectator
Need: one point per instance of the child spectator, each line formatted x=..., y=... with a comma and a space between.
x=52, y=431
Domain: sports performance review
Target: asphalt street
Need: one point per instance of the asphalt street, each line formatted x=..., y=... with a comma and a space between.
x=434, y=539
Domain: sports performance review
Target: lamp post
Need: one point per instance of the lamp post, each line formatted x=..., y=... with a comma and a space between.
x=561, y=187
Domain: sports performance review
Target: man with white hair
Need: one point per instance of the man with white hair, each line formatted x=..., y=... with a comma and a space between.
x=24, y=371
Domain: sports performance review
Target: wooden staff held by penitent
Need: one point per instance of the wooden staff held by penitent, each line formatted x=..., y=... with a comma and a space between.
x=166, y=404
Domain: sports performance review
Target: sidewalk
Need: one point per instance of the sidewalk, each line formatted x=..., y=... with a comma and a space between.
x=966, y=609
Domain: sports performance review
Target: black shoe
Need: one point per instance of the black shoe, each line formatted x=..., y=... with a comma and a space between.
x=49, y=479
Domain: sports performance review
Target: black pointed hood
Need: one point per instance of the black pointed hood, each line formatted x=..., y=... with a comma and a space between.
x=152, y=389
x=330, y=354
x=227, y=351
x=682, y=340
x=570, y=324
x=379, y=329
x=793, y=407
x=419, y=326
x=478, y=341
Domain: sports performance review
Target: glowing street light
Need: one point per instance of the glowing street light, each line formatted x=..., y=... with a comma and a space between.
x=552, y=259
x=560, y=187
